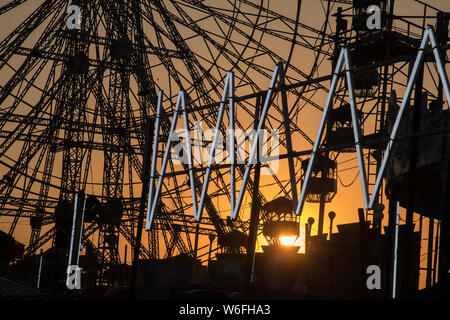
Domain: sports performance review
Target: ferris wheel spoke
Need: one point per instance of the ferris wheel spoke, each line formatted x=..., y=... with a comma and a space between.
x=15, y=39
x=10, y=5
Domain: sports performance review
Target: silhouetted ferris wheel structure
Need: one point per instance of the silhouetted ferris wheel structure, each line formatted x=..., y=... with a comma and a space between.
x=78, y=108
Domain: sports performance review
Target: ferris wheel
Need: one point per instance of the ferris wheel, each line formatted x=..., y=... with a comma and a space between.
x=79, y=94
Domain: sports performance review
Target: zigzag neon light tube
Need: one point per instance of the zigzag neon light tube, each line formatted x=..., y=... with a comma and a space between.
x=151, y=210
x=254, y=145
x=301, y=202
x=228, y=86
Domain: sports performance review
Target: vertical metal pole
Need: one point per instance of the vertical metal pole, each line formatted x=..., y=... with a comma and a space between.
x=394, y=271
x=287, y=131
x=232, y=149
x=321, y=213
x=254, y=215
x=390, y=240
x=211, y=239
x=385, y=78
x=430, y=252
x=331, y=227
x=308, y=228
x=391, y=14
x=255, y=212
x=442, y=28
x=40, y=270
x=197, y=230
x=420, y=231
x=362, y=252
x=140, y=225
x=307, y=235
x=337, y=37
x=436, y=248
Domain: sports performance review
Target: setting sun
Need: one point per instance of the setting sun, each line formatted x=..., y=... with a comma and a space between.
x=288, y=241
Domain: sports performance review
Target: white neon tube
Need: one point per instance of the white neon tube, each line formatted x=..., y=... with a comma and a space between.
x=72, y=238
x=356, y=133
x=150, y=218
x=229, y=80
x=81, y=230
x=154, y=158
x=255, y=144
x=405, y=100
x=394, y=271
x=301, y=202
x=188, y=144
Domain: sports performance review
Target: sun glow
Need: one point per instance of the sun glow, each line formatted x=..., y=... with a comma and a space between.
x=288, y=241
